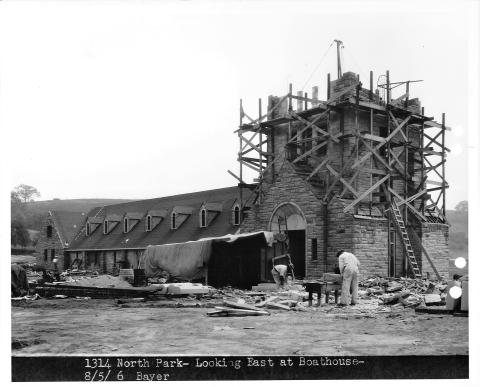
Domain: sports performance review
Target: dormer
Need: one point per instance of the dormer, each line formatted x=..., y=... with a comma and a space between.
x=110, y=222
x=236, y=214
x=153, y=219
x=179, y=215
x=208, y=212
x=93, y=222
x=130, y=220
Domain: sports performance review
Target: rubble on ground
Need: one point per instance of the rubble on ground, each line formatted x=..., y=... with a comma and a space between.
x=406, y=292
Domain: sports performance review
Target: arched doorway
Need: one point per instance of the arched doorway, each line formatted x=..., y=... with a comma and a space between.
x=288, y=218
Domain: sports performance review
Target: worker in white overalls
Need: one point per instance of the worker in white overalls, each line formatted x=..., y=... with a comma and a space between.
x=348, y=264
x=280, y=272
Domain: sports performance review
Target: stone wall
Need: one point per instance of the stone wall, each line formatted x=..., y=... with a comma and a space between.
x=370, y=246
x=51, y=245
x=289, y=187
x=435, y=241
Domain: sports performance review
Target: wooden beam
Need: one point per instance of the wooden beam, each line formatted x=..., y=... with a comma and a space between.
x=344, y=182
x=372, y=151
x=302, y=156
x=312, y=124
x=250, y=166
x=410, y=207
x=366, y=193
x=255, y=147
x=377, y=147
x=318, y=168
x=437, y=183
x=235, y=176
x=372, y=137
x=417, y=239
x=373, y=171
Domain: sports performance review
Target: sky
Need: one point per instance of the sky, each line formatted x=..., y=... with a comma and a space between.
x=141, y=99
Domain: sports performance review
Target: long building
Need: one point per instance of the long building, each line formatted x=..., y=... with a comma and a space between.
x=354, y=172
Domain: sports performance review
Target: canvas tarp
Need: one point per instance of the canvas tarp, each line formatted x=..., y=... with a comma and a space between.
x=181, y=260
x=188, y=261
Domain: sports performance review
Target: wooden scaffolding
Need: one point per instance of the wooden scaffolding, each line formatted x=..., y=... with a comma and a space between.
x=388, y=159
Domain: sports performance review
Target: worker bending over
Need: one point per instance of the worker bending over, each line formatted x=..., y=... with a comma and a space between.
x=348, y=264
x=280, y=271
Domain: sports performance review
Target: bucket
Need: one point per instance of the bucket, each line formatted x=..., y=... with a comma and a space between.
x=139, y=278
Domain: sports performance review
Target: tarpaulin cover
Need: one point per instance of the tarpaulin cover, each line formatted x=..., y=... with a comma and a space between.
x=181, y=260
x=188, y=260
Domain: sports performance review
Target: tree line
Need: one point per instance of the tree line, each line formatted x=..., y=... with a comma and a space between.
x=21, y=218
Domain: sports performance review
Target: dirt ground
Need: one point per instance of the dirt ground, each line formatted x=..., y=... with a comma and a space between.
x=72, y=327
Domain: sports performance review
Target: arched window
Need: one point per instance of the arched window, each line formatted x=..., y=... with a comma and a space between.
x=236, y=215
x=149, y=223
x=49, y=231
x=174, y=221
x=105, y=227
x=87, y=229
x=203, y=217
x=125, y=225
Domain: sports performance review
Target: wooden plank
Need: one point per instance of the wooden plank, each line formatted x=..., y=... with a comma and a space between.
x=250, y=166
x=437, y=183
x=377, y=147
x=350, y=182
x=412, y=198
x=400, y=170
x=237, y=305
x=373, y=171
x=373, y=151
x=345, y=183
x=372, y=137
x=312, y=124
x=310, y=151
x=318, y=168
x=366, y=193
x=410, y=207
x=417, y=239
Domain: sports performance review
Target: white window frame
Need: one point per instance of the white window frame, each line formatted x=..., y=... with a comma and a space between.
x=203, y=219
x=125, y=225
x=173, y=221
x=148, y=223
x=87, y=229
x=236, y=208
x=105, y=227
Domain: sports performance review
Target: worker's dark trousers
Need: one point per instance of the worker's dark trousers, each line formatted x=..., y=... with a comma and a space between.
x=349, y=286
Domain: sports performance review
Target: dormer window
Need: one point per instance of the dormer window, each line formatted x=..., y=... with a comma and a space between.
x=105, y=227
x=49, y=231
x=174, y=221
x=88, y=229
x=203, y=217
x=236, y=215
x=125, y=225
x=149, y=223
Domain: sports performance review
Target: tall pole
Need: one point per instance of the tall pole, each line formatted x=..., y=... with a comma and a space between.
x=339, y=62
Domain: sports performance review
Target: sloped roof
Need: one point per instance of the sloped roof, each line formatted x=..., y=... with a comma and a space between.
x=67, y=224
x=139, y=238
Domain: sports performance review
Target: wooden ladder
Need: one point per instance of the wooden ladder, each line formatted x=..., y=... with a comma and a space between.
x=405, y=239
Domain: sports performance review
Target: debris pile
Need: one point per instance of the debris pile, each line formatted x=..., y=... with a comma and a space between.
x=101, y=281
x=409, y=292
